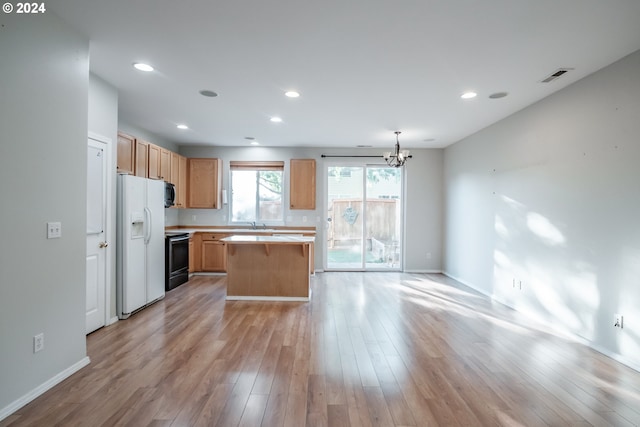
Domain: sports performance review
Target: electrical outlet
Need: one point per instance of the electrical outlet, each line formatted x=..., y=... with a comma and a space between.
x=38, y=342
x=54, y=230
x=618, y=321
x=520, y=282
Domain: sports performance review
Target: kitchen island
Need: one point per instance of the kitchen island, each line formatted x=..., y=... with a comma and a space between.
x=268, y=267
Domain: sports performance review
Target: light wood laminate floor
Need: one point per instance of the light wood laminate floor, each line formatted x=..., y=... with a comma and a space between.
x=370, y=349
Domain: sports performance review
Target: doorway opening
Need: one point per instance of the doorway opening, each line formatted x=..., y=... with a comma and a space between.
x=364, y=215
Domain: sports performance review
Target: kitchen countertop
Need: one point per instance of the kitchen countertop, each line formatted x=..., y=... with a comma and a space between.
x=249, y=239
x=237, y=231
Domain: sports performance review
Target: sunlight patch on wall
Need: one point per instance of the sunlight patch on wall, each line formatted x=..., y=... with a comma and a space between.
x=582, y=289
x=545, y=230
x=570, y=297
x=502, y=278
x=501, y=259
x=513, y=204
x=500, y=227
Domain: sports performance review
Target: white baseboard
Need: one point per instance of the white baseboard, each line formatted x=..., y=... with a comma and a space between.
x=423, y=271
x=19, y=403
x=245, y=298
x=112, y=321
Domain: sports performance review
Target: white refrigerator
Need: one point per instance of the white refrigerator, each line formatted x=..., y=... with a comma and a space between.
x=140, y=243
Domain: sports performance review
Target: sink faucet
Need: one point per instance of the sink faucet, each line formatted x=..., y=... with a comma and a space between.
x=253, y=225
x=264, y=226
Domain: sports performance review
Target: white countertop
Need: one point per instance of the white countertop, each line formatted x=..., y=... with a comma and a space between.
x=240, y=231
x=268, y=239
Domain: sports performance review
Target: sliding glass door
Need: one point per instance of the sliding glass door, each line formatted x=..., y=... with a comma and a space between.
x=364, y=214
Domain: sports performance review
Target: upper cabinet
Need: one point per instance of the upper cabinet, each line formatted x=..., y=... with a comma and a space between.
x=142, y=158
x=153, y=170
x=302, y=184
x=159, y=163
x=205, y=180
x=126, y=153
x=179, y=178
x=181, y=186
x=165, y=164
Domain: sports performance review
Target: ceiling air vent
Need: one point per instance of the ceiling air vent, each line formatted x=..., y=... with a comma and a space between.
x=556, y=74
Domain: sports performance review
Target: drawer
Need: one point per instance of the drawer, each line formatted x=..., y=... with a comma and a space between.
x=213, y=236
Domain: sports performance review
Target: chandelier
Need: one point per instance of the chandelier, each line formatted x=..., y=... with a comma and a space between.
x=398, y=158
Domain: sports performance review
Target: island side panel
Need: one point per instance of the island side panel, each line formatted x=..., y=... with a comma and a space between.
x=281, y=270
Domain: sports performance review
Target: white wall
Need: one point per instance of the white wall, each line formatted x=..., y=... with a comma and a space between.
x=423, y=209
x=43, y=135
x=551, y=197
x=103, y=121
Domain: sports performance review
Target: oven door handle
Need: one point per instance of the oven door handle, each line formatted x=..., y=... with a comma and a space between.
x=175, y=239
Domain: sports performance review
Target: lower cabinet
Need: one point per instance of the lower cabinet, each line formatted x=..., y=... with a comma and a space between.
x=213, y=252
x=208, y=254
x=192, y=256
x=214, y=256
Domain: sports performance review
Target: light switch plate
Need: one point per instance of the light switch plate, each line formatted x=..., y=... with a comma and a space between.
x=54, y=230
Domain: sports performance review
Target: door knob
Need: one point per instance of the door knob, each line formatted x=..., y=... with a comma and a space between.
x=103, y=244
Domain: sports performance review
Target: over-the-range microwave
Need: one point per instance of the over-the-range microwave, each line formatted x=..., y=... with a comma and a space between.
x=169, y=194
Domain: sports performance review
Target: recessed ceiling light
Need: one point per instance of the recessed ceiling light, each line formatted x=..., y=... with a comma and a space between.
x=292, y=94
x=142, y=67
x=255, y=143
x=498, y=95
x=468, y=95
x=276, y=119
x=183, y=127
x=363, y=146
x=250, y=138
x=429, y=140
x=209, y=93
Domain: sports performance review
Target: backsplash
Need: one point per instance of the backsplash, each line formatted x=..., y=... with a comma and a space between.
x=221, y=217
x=171, y=217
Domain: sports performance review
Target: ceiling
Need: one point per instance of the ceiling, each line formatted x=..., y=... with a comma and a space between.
x=363, y=68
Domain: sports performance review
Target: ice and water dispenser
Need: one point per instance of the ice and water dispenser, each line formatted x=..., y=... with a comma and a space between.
x=137, y=225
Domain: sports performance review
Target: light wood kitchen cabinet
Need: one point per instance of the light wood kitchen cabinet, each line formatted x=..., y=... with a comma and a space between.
x=213, y=252
x=178, y=178
x=181, y=187
x=154, y=162
x=158, y=161
x=142, y=158
x=302, y=184
x=165, y=164
x=195, y=253
x=174, y=175
x=205, y=179
x=192, y=263
x=126, y=153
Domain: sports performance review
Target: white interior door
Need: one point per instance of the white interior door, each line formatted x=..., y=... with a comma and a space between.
x=96, y=235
